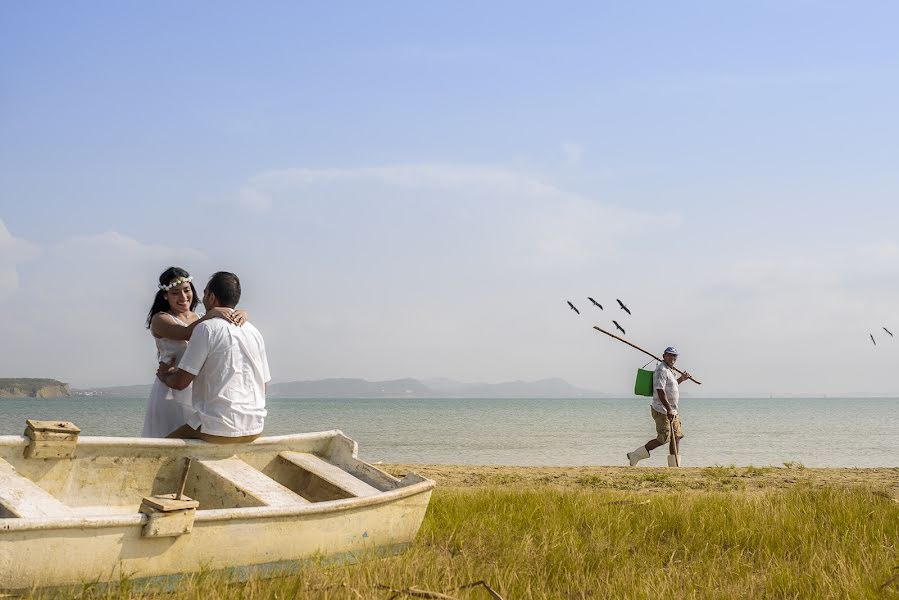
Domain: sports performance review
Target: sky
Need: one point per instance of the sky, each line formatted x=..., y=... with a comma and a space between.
x=416, y=189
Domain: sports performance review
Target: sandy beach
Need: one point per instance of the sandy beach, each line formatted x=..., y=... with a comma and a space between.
x=649, y=479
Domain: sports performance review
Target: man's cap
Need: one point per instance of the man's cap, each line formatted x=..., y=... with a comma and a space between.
x=671, y=350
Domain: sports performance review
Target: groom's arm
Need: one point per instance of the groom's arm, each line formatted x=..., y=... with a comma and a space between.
x=177, y=379
x=191, y=362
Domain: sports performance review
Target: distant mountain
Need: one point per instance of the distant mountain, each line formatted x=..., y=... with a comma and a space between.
x=430, y=388
x=543, y=388
x=351, y=388
x=394, y=388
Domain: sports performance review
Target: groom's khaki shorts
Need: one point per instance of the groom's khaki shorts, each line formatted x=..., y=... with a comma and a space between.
x=663, y=426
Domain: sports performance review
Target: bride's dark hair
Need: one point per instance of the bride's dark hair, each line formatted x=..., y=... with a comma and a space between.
x=160, y=302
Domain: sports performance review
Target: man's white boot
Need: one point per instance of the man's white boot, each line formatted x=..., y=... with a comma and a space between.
x=637, y=455
x=674, y=460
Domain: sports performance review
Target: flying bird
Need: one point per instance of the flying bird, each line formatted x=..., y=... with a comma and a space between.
x=619, y=327
x=872, y=339
x=623, y=307
x=573, y=307
x=888, y=331
x=595, y=303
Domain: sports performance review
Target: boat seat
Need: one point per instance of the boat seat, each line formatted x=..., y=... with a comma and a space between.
x=25, y=499
x=332, y=474
x=252, y=482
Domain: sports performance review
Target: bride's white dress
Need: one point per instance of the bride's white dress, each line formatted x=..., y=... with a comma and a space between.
x=167, y=409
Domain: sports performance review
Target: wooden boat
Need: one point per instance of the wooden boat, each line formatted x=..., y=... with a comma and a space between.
x=77, y=510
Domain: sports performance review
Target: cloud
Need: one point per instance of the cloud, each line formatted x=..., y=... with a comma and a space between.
x=573, y=153
x=253, y=199
x=507, y=215
x=81, y=307
x=13, y=251
x=450, y=269
x=427, y=176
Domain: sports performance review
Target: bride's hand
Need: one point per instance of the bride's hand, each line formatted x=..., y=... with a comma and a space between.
x=238, y=317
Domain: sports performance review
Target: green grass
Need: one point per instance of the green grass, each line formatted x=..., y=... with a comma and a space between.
x=548, y=542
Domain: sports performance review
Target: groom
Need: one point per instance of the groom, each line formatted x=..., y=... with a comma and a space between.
x=229, y=370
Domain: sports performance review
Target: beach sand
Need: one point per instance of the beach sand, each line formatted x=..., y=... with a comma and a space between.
x=658, y=479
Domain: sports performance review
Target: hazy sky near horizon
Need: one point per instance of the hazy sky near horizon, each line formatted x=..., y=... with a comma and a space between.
x=412, y=189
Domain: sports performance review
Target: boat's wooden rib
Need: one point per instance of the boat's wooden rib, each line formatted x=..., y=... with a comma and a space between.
x=332, y=474
x=253, y=488
x=24, y=499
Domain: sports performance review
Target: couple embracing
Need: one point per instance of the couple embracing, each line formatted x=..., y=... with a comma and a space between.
x=213, y=369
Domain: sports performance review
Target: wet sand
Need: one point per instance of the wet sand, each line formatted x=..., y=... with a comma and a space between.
x=658, y=479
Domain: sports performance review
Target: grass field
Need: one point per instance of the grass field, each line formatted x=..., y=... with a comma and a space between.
x=670, y=538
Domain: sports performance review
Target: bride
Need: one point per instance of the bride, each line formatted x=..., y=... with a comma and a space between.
x=171, y=320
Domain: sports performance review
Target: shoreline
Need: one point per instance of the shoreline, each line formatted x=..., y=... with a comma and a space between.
x=657, y=479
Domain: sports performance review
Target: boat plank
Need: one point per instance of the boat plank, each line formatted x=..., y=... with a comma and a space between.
x=330, y=473
x=253, y=482
x=24, y=498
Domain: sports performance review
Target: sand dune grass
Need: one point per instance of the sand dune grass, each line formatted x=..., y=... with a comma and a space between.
x=582, y=542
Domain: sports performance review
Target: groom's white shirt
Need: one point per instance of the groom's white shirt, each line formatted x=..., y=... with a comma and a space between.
x=231, y=371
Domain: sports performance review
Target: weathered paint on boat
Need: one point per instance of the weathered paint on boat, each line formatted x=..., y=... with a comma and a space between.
x=264, y=506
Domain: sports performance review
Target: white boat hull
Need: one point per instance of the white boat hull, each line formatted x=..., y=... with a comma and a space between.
x=98, y=535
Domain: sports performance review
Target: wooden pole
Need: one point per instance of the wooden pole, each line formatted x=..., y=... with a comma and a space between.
x=180, y=495
x=672, y=446
x=598, y=328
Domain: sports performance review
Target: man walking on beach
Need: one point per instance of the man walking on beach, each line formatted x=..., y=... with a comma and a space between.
x=664, y=406
x=229, y=370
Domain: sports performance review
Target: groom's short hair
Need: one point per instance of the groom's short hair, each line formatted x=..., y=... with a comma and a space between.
x=226, y=287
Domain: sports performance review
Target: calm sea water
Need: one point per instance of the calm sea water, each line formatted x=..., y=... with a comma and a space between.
x=816, y=432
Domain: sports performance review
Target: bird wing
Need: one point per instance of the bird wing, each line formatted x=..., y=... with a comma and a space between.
x=872, y=339
x=888, y=331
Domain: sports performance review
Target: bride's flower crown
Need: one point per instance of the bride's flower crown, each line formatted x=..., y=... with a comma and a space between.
x=175, y=283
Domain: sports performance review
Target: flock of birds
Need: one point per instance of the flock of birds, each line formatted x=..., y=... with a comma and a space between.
x=873, y=341
x=599, y=306
x=628, y=311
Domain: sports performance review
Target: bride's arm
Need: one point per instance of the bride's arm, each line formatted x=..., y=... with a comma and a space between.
x=164, y=325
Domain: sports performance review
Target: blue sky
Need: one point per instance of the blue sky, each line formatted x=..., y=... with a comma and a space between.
x=414, y=189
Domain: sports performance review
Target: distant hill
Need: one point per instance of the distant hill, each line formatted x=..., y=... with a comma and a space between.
x=431, y=388
x=544, y=388
x=393, y=388
x=33, y=388
x=351, y=388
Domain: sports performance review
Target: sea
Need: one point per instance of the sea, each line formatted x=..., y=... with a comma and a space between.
x=814, y=432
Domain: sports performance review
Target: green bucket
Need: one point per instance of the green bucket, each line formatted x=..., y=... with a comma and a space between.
x=643, y=384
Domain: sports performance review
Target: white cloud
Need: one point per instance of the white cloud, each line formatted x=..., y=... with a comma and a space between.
x=458, y=270
x=13, y=251
x=253, y=199
x=79, y=316
x=463, y=271
x=509, y=215
x=427, y=176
